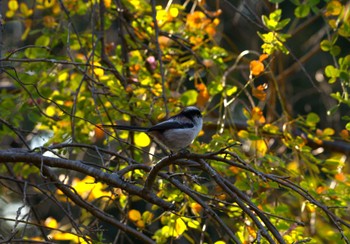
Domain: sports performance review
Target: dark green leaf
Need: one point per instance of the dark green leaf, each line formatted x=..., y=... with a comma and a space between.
x=302, y=11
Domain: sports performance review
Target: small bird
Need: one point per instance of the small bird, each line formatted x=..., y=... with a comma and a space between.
x=175, y=133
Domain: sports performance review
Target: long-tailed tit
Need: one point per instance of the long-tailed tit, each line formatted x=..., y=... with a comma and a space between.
x=175, y=133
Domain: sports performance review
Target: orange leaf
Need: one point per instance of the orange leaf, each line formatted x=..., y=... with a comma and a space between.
x=256, y=67
x=196, y=208
x=134, y=215
x=259, y=92
x=203, y=95
x=263, y=57
x=340, y=177
x=321, y=189
x=257, y=115
x=345, y=134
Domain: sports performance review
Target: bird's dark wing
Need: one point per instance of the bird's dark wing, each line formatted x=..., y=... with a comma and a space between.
x=166, y=125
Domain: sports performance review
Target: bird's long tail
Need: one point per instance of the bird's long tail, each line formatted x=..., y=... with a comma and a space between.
x=127, y=127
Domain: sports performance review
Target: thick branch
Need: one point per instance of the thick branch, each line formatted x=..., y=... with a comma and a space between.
x=111, y=179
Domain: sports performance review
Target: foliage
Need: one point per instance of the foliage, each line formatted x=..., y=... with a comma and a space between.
x=262, y=171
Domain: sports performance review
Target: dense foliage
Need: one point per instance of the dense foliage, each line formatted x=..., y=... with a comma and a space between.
x=270, y=165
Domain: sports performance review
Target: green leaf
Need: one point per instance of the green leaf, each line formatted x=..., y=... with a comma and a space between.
x=214, y=88
x=302, y=11
x=325, y=45
x=347, y=126
x=276, y=1
x=313, y=2
x=345, y=61
x=344, y=75
x=282, y=24
x=335, y=50
x=276, y=15
x=231, y=91
x=312, y=119
x=42, y=41
x=189, y=97
x=331, y=71
x=295, y=2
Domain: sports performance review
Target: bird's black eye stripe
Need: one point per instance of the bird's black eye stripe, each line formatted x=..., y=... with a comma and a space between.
x=192, y=114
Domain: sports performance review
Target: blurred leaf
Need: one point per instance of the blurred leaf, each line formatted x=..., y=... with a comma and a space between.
x=142, y=139
x=302, y=11
x=214, y=88
x=42, y=41
x=134, y=215
x=189, y=97
x=347, y=126
x=231, y=91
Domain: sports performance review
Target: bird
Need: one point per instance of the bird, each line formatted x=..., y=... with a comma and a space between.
x=175, y=133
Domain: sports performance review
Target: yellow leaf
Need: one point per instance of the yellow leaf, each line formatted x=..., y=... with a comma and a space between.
x=50, y=111
x=108, y=3
x=12, y=5
x=24, y=10
x=134, y=215
x=192, y=223
x=27, y=24
x=68, y=237
x=147, y=216
x=142, y=139
x=257, y=116
x=88, y=189
x=98, y=71
x=243, y=134
x=49, y=3
x=140, y=224
x=63, y=76
x=10, y=13
x=333, y=8
x=260, y=147
x=180, y=226
x=219, y=242
x=174, y=12
x=293, y=166
x=51, y=223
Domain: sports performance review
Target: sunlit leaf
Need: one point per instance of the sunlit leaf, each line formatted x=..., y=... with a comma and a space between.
x=180, y=226
x=51, y=223
x=142, y=139
x=260, y=147
x=174, y=12
x=50, y=111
